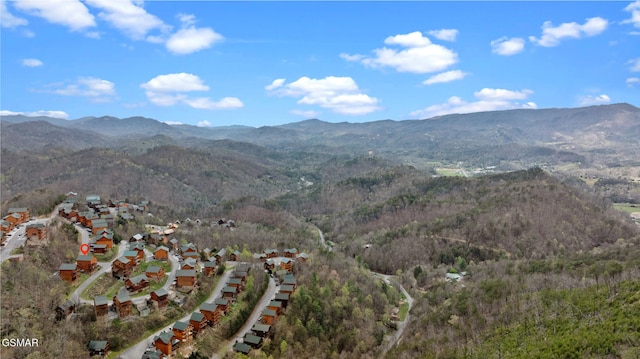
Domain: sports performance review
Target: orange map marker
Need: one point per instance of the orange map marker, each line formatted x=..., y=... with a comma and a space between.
x=84, y=248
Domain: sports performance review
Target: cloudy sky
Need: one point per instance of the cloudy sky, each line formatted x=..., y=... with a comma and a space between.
x=212, y=63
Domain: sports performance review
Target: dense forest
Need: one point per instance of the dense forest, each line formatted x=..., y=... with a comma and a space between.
x=545, y=265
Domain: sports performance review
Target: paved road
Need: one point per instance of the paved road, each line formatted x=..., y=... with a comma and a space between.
x=17, y=238
x=395, y=337
x=137, y=350
x=268, y=296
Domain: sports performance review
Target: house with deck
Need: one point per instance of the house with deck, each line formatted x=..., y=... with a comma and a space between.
x=160, y=297
x=69, y=272
x=183, y=331
x=122, y=302
x=137, y=283
x=161, y=253
x=87, y=263
x=101, y=306
x=211, y=312
x=186, y=278
x=166, y=342
x=36, y=231
x=98, y=347
x=198, y=321
x=155, y=273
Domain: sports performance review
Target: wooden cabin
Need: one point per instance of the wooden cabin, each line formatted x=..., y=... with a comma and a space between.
x=222, y=305
x=122, y=267
x=186, y=278
x=87, y=263
x=276, y=306
x=261, y=330
x=183, y=331
x=288, y=289
x=271, y=253
x=22, y=213
x=209, y=268
x=137, y=283
x=106, y=238
x=211, y=312
x=235, y=256
x=198, y=321
x=166, y=342
x=160, y=297
x=64, y=310
x=236, y=282
x=101, y=306
x=123, y=304
x=290, y=252
x=161, y=253
x=155, y=273
x=253, y=340
x=283, y=298
x=230, y=293
x=36, y=231
x=269, y=316
x=98, y=347
x=69, y=272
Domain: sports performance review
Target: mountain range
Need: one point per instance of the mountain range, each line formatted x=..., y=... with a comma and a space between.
x=511, y=139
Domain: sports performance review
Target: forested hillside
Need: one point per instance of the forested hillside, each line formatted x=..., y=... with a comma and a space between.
x=538, y=260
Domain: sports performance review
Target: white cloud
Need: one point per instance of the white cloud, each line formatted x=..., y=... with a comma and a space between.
x=180, y=82
x=275, y=84
x=444, y=34
x=418, y=55
x=191, y=39
x=448, y=76
x=501, y=94
x=31, y=62
x=173, y=123
x=339, y=94
x=305, y=114
x=488, y=100
x=8, y=20
x=98, y=90
x=171, y=89
x=634, y=9
x=551, y=35
x=204, y=103
x=70, y=13
x=204, y=123
x=590, y=100
x=507, y=47
x=128, y=17
x=631, y=81
x=635, y=64
x=55, y=114
x=348, y=57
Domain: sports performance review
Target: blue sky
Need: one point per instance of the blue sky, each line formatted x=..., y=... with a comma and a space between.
x=212, y=63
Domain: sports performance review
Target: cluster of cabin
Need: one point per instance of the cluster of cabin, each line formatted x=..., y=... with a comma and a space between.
x=95, y=215
x=14, y=218
x=272, y=259
x=208, y=315
x=69, y=272
x=276, y=307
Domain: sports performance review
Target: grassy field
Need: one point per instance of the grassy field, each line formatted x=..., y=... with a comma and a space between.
x=627, y=207
x=445, y=171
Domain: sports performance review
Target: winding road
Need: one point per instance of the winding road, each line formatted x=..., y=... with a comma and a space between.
x=395, y=337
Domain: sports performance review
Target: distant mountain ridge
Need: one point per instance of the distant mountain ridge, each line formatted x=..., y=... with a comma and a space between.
x=581, y=130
